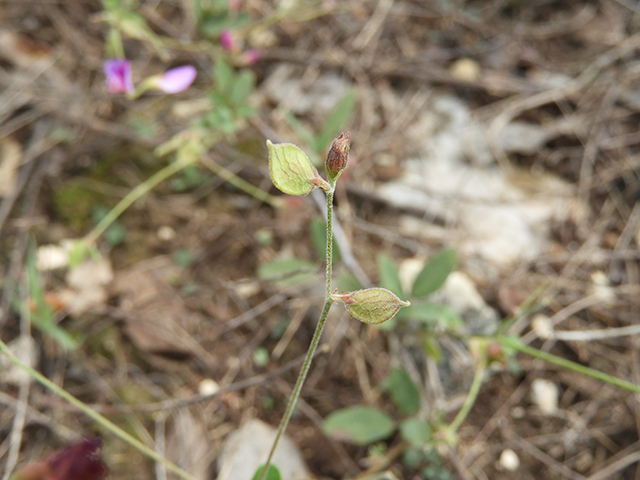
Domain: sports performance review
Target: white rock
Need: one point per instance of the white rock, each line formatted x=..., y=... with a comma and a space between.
x=500, y=218
x=51, y=257
x=26, y=350
x=601, y=287
x=408, y=270
x=460, y=293
x=544, y=394
x=90, y=274
x=509, y=460
x=542, y=326
x=523, y=137
x=87, y=286
x=247, y=289
x=208, y=386
x=518, y=412
x=284, y=86
x=247, y=448
x=465, y=69
x=166, y=233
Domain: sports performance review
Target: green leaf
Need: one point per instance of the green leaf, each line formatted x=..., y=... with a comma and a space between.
x=432, y=348
x=272, y=474
x=79, y=252
x=319, y=239
x=412, y=457
x=415, y=431
x=242, y=87
x=348, y=282
x=359, y=424
x=290, y=169
x=389, y=274
x=431, y=314
x=42, y=317
x=373, y=305
x=183, y=257
x=261, y=356
x=300, y=130
x=115, y=234
x=224, y=76
x=288, y=272
x=135, y=26
x=404, y=393
x=245, y=111
x=337, y=119
x=435, y=272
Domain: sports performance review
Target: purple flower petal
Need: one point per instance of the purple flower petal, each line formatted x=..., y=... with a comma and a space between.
x=177, y=79
x=249, y=57
x=118, y=75
x=228, y=41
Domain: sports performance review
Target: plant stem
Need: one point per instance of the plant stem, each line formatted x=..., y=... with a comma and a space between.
x=104, y=422
x=238, y=182
x=314, y=341
x=561, y=362
x=471, y=396
x=135, y=194
x=329, y=252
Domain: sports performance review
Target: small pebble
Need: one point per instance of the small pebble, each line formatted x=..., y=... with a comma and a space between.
x=544, y=394
x=601, y=287
x=248, y=289
x=51, y=257
x=509, y=460
x=542, y=326
x=408, y=271
x=465, y=69
x=517, y=412
x=166, y=233
x=208, y=386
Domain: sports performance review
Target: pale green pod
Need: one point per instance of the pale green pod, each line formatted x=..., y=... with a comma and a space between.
x=291, y=170
x=373, y=305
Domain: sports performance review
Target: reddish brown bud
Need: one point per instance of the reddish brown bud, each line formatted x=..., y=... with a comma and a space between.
x=338, y=155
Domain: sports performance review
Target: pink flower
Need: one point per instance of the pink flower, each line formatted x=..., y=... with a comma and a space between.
x=177, y=79
x=228, y=41
x=249, y=57
x=79, y=461
x=118, y=75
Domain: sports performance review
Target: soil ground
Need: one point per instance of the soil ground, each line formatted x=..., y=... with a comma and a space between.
x=186, y=303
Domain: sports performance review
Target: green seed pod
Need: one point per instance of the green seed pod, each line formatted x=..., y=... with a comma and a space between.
x=291, y=170
x=373, y=305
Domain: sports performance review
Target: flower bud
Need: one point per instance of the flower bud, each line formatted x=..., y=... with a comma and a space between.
x=338, y=156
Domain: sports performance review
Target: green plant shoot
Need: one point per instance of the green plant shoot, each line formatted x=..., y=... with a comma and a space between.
x=292, y=172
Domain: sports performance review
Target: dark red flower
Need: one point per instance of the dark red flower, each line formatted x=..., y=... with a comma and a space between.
x=79, y=461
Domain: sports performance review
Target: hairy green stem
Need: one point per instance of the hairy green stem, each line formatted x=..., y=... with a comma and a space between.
x=135, y=194
x=314, y=341
x=160, y=176
x=471, y=396
x=104, y=422
x=237, y=182
x=561, y=362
